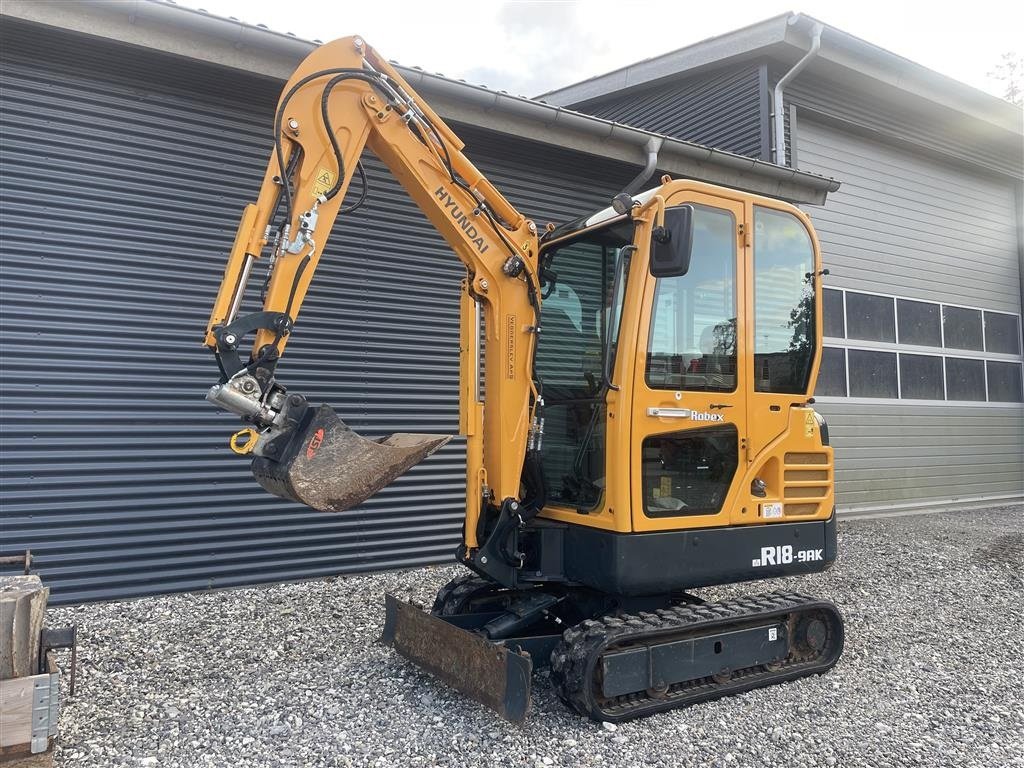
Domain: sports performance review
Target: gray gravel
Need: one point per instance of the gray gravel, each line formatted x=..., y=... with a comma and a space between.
x=291, y=675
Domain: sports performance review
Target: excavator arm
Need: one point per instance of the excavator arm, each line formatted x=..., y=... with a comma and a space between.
x=342, y=99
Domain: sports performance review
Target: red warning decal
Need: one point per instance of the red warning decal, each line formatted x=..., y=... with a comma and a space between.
x=314, y=443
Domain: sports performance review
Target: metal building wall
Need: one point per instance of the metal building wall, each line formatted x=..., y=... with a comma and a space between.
x=722, y=108
x=927, y=126
x=124, y=172
x=911, y=226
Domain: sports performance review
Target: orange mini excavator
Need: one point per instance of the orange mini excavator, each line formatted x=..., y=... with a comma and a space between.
x=643, y=426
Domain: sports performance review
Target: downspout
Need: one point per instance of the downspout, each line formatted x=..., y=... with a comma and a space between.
x=777, y=104
x=653, y=147
x=1019, y=196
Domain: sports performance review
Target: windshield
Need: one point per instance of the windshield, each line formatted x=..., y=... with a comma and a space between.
x=581, y=304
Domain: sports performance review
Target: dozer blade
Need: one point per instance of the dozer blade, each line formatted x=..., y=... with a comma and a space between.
x=327, y=466
x=485, y=671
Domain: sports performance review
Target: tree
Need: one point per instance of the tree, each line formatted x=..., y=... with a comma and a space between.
x=1010, y=72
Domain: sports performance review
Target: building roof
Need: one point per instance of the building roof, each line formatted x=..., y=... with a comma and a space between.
x=165, y=26
x=786, y=38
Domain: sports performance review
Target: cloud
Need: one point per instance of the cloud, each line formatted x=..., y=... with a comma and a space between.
x=543, y=45
x=533, y=46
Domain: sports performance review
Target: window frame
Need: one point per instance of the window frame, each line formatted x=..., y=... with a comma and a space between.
x=938, y=308
x=985, y=355
x=846, y=318
x=895, y=369
x=984, y=330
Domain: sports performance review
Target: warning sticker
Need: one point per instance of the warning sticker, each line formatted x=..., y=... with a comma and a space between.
x=809, y=424
x=324, y=181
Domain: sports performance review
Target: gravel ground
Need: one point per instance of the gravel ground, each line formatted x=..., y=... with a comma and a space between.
x=291, y=675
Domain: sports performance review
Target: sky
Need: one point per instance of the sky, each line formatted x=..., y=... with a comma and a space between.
x=528, y=47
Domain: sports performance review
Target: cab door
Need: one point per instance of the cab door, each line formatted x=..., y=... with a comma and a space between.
x=784, y=315
x=688, y=442
x=789, y=466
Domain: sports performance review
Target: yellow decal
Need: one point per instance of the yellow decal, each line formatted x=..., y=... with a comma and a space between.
x=666, y=486
x=510, y=346
x=808, y=424
x=324, y=181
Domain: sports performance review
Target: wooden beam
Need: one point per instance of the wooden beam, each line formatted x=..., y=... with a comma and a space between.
x=22, y=607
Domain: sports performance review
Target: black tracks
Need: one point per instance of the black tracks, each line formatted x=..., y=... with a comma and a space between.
x=469, y=593
x=575, y=662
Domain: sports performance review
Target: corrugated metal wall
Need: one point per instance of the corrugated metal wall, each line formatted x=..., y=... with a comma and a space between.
x=720, y=108
x=903, y=118
x=893, y=455
x=908, y=225
x=124, y=172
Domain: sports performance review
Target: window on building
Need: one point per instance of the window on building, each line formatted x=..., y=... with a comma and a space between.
x=872, y=374
x=832, y=311
x=693, y=326
x=965, y=379
x=962, y=328
x=870, y=318
x=919, y=323
x=1002, y=333
x=1004, y=382
x=912, y=323
x=921, y=377
x=784, y=312
x=832, y=375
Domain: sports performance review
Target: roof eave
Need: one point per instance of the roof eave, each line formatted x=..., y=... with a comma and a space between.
x=715, y=50
x=786, y=38
x=231, y=43
x=878, y=65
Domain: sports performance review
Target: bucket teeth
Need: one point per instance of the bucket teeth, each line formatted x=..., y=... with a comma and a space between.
x=327, y=466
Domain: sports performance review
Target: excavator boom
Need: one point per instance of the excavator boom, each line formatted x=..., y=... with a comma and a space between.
x=345, y=98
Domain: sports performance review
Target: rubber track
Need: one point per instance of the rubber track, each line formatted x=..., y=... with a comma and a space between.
x=455, y=592
x=576, y=658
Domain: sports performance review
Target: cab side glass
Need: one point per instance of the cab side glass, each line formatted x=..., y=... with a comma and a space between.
x=785, y=336
x=672, y=243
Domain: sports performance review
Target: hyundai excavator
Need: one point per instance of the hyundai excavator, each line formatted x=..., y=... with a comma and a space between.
x=642, y=425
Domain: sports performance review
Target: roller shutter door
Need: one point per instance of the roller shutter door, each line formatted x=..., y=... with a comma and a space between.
x=124, y=172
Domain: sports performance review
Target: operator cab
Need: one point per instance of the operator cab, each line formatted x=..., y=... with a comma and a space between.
x=718, y=295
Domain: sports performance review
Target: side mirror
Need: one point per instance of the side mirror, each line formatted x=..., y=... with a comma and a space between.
x=672, y=243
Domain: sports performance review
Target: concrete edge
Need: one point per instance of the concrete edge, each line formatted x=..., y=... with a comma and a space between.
x=921, y=508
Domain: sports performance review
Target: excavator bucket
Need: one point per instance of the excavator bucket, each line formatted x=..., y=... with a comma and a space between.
x=327, y=466
x=486, y=671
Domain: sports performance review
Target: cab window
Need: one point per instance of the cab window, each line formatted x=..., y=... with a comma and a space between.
x=580, y=308
x=693, y=326
x=784, y=326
